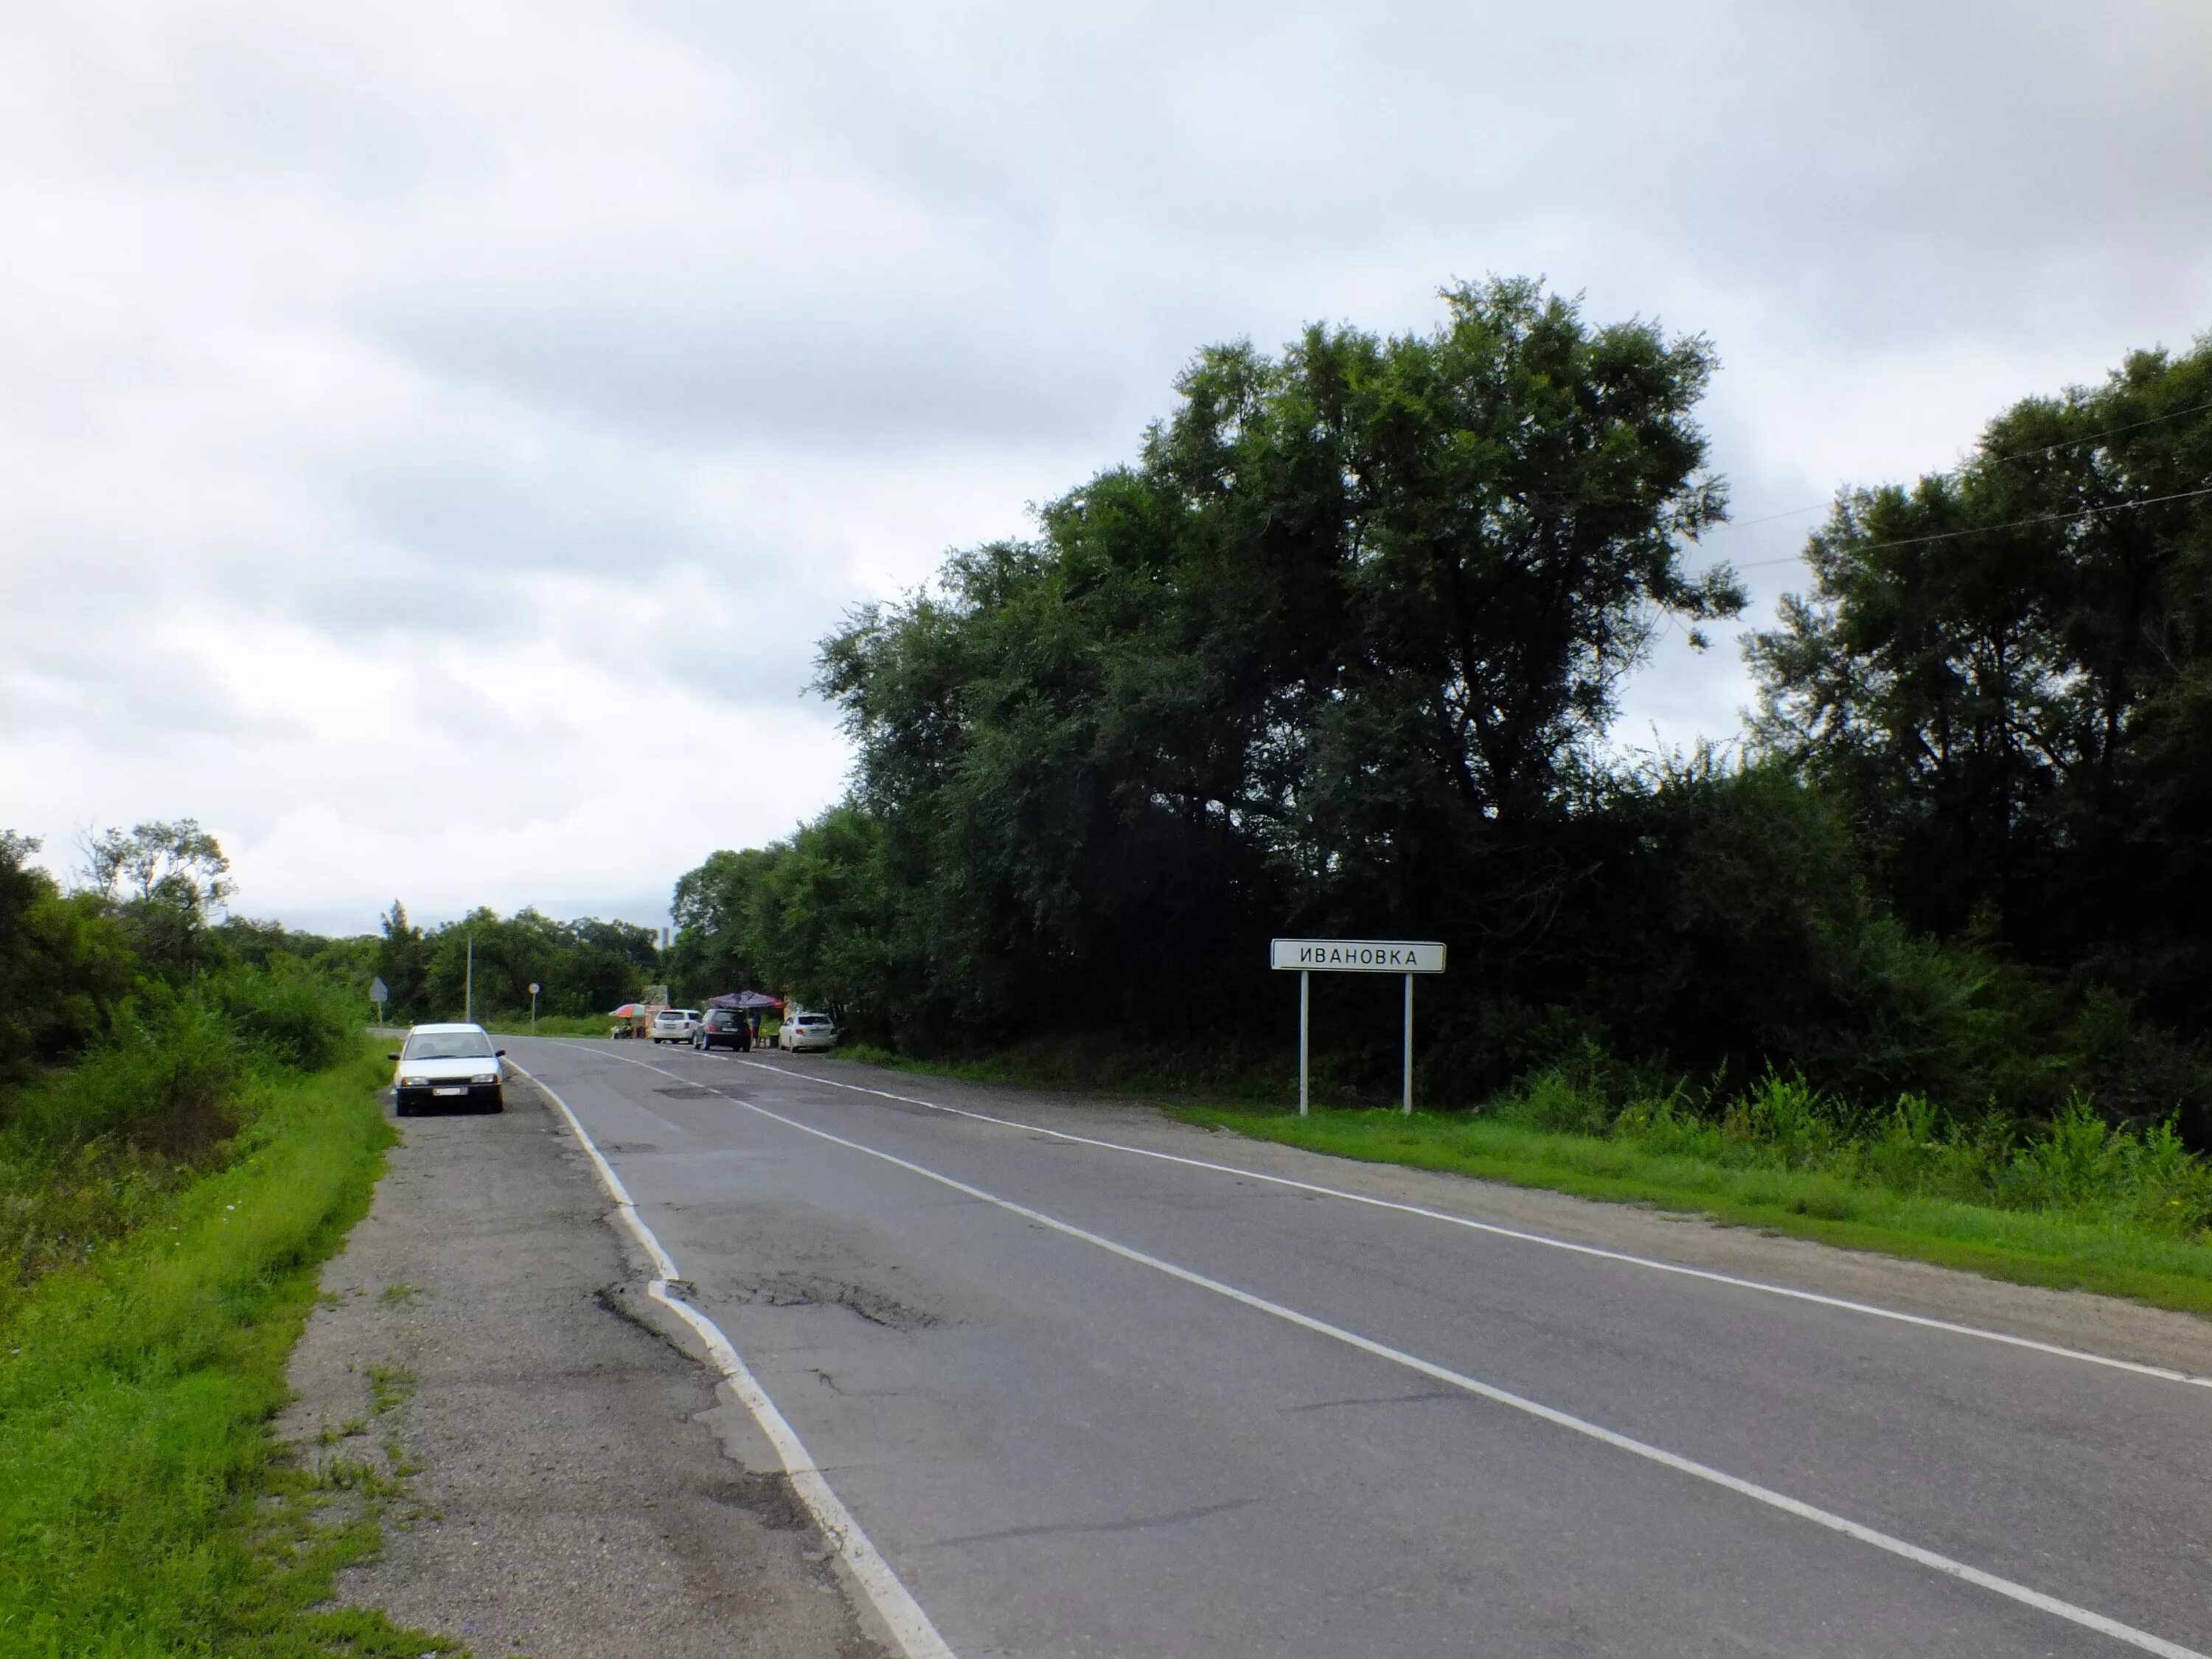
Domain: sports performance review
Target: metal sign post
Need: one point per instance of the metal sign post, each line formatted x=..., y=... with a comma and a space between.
x=1353, y=955
x=1305, y=1001
x=533, y=1007
x=378, y=991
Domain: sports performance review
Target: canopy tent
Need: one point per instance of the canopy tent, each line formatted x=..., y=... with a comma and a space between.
x=743, y=999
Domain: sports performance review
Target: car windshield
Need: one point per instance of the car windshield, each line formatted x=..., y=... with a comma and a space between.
x=449, y=1045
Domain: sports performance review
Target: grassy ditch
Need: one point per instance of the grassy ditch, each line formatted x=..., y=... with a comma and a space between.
x=2075, y=1205
x=144, y=1508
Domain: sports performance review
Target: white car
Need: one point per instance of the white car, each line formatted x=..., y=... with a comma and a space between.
x=807, y=1031
x=448, y=1066
x=675, y=1025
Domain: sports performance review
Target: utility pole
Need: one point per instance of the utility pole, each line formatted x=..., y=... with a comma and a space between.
x=469, y=985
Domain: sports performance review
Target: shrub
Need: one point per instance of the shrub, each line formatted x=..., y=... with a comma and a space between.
x=165, y=1081
x=287, y=1011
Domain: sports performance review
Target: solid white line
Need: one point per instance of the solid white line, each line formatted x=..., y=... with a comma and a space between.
x=1865, y=1534
x=910, y=1626
x=1868, y=1308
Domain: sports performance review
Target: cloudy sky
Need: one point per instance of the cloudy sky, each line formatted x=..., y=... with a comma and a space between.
x=435, y=435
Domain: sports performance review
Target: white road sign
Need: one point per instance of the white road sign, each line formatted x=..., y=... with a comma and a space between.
x=377, y=992
x=1356, y=956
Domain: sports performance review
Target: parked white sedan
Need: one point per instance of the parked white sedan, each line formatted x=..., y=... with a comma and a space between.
x=802, y=1031
x=450, y=1065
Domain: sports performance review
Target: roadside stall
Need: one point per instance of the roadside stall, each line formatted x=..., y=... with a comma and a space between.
x=634, y=1019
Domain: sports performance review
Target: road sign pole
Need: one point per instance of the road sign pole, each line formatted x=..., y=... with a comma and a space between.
x=1405, y=956
x=1305, y=982
x=1409, y=1045
x=469, y=985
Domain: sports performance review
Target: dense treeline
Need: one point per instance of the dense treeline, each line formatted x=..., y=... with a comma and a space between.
x=1338, y=654
x=581, y=967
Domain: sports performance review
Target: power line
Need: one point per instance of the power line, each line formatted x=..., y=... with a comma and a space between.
x=2016, y=455
x=1987, y=528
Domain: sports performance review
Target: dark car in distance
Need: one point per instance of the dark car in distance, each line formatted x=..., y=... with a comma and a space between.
x=723, y=1028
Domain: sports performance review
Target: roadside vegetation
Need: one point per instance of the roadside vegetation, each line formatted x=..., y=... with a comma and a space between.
x=186, y=1132
x=570, y=1025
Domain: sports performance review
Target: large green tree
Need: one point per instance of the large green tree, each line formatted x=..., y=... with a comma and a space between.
x=1323, y=653
x=2007, y=671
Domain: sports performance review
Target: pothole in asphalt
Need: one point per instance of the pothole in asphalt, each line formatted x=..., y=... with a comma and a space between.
x=689, y=1092
x=801, y=1291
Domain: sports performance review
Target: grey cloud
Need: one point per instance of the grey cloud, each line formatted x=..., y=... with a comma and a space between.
x=685, y=361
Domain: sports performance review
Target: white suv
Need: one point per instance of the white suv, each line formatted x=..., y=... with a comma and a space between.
x=675, y=1025
x=808, y=1032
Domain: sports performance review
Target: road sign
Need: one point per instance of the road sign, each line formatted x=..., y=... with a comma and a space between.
x=1308, y=956
x=378, y=991
x=533, y=988
x=1356, y=956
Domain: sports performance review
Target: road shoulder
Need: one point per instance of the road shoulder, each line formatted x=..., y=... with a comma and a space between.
x=569, y=1482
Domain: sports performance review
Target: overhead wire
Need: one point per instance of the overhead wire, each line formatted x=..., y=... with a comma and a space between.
x=2014, y=455
x=1986, y=529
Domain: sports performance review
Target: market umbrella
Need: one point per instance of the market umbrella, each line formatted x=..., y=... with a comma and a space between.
x=743, y=999
x=628, y=1011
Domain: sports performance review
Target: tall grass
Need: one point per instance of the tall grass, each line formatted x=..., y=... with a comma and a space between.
x=89, y=1155
x=136, y=1388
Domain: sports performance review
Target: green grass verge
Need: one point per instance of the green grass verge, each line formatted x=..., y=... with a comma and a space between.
x=587, y=1025
x=2025, y=1247
x=145, y=1509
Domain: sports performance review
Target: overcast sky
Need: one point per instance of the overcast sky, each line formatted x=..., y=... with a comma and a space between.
x=435, y=435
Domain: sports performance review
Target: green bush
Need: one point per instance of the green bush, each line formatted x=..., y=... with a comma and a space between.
x=290, y=1014
x=165, y=1081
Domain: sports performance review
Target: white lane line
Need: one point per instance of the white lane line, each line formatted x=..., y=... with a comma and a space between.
x=1865, y=1534
x=1870, y=1309
x=910, y=1626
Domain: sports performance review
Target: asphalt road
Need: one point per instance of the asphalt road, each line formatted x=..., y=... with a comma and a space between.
x=1088, y=1402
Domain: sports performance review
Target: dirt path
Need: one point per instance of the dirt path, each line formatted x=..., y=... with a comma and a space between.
x=579, y=1486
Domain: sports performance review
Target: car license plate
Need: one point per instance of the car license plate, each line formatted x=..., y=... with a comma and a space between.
x=449, y=1092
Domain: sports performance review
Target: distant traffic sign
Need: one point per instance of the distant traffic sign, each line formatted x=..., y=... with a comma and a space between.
x=377, y=991
x=1356, y=956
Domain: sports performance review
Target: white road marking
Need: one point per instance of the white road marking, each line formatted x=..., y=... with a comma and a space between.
x=910, y=1626
x=2007, y=1588
x=1869, y=1309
